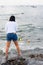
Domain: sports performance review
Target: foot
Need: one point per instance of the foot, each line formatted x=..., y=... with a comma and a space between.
x=20, y=55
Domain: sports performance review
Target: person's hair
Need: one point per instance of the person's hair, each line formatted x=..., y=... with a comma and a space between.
x=12, y=18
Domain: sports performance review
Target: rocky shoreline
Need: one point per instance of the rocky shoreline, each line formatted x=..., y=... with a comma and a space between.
x=29, y=57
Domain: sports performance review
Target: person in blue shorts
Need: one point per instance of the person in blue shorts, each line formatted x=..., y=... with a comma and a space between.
x=11, y=35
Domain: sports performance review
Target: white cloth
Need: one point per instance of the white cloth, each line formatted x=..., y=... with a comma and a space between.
x=11, y=27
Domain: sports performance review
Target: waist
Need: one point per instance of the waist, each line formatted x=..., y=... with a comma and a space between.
x=11, y=33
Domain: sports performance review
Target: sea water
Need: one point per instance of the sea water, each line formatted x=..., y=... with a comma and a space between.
x=30, y=25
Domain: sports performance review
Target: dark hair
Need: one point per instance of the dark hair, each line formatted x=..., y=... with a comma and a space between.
x=12, y=18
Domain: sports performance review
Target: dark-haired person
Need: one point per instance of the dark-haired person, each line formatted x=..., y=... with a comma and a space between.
x=11, y=29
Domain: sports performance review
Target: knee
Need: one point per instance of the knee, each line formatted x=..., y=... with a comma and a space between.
x=7, y=45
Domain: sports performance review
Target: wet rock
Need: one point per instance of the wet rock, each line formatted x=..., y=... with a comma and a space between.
x=16, y=61
x=37, y=56
x=32, y=55
x=29, y=57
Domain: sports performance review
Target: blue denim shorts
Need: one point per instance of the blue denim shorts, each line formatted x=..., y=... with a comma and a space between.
x=12, y=36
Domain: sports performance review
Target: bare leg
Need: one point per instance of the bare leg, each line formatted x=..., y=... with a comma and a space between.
x=7, y=48
x=17, y=46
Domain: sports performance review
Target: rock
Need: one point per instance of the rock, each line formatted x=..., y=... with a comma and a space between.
x=16, y=61
x=32, y=55
x=37, y=56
